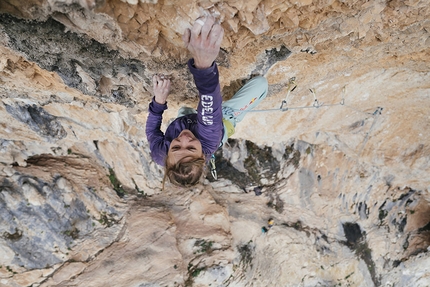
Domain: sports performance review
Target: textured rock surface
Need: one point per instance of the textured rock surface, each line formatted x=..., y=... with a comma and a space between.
x=343, y=171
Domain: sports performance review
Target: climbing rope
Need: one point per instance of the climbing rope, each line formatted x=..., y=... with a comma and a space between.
x=316, y=105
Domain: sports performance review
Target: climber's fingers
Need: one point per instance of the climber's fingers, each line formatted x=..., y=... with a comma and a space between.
x=197, y=28
x=155, y=80
x=204, y=41
x=186, y=37
x=216, y=35
x=164, y=84
x=207, y=27
x=161, y=89
x=160, y=80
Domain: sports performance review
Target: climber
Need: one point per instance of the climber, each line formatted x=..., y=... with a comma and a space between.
x=191, y=139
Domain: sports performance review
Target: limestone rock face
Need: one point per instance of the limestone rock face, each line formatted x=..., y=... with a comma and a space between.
x=332, y=189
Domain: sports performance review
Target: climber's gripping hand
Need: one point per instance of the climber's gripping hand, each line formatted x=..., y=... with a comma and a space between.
x=161, y=85
x=204, y=41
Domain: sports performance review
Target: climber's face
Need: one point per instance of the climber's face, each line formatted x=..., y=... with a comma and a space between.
x=184, y=148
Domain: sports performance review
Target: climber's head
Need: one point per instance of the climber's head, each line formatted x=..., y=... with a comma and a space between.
x=185, y=160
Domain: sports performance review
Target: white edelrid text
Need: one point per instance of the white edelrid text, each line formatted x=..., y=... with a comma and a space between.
x=207, y=110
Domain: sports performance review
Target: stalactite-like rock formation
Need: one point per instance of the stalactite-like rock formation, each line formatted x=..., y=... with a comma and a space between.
x=341, y=170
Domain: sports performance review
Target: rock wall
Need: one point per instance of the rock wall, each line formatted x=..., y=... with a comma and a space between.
x=342, y=169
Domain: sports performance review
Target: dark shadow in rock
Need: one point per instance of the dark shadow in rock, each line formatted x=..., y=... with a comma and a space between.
x=55, y=50
x=292, y=156
x=356, y=241
x=269, y=58
x=275, y=202
x=261, y=166
x=45, y=220
x=229, y=91
x=226, y=170
x=260, y=162
x=352, y=233
x=38, y=120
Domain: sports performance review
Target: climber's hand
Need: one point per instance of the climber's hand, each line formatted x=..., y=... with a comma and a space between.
x=161, y=88
x=204, y=41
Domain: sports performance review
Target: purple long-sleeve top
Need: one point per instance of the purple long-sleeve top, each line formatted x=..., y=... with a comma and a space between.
x=206, y=125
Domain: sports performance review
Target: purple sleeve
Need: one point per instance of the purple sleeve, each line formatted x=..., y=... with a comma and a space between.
x=209, y=112
x=154, y=135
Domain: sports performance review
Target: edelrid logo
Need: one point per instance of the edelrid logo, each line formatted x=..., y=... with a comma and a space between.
x=207, y=110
